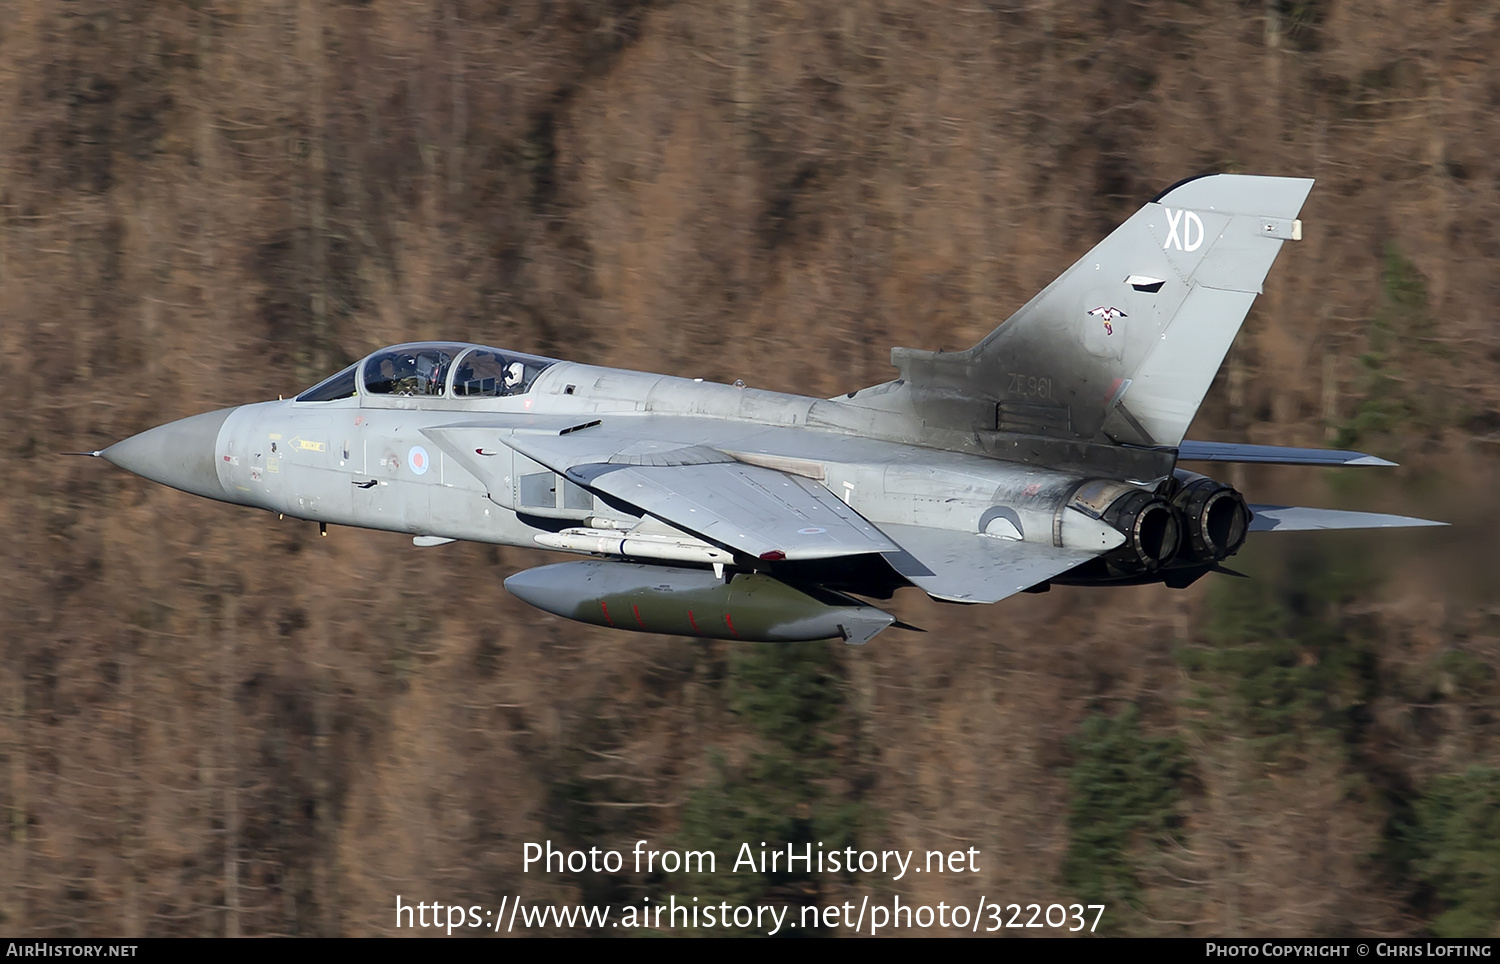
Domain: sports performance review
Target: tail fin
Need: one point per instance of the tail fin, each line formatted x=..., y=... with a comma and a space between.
x=1123, y=345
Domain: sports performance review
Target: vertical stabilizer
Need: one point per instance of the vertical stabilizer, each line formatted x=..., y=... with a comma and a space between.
x=1124, y=344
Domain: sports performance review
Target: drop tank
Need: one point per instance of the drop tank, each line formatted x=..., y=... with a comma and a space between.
x=747, y=606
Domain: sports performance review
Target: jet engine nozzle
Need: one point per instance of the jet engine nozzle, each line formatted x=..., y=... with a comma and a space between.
x=1218, y=520
x=1152, y=529
x=1152, y=532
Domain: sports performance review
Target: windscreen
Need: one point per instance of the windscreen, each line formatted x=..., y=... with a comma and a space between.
x=333, y=388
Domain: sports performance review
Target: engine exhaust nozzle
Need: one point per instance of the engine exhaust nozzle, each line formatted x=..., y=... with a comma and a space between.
x=1218, y=520
x=1151, y=526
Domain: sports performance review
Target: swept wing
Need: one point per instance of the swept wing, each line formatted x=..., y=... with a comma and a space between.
x=758, y=511
x=973, y=568
x=755, y=510
x=667, y=468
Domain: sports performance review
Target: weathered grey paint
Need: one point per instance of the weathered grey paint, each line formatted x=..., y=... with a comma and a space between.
x=694, y=602
x=1045, y=452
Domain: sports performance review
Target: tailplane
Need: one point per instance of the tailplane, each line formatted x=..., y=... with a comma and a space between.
x=1123, y=345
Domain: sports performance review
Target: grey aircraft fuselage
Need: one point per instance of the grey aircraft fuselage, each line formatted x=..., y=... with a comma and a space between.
x=364, y=460
x=1047, y=453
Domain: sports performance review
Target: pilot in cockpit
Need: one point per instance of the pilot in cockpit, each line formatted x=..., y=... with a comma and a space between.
x=515, y=377
x=488, y=373
x=389, y=377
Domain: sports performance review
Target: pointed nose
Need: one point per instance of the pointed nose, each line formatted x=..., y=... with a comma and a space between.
x=179, y=454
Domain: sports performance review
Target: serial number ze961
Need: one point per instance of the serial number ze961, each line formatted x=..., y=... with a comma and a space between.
x=1028, y=386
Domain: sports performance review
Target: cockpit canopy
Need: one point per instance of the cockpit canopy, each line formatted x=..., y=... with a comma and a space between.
x=434, y=370
x=410, y=370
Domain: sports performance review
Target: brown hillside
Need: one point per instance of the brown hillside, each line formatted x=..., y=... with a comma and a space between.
x=212, y=722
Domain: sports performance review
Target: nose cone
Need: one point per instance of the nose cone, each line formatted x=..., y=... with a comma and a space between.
x=548, y=590
x=179, y=454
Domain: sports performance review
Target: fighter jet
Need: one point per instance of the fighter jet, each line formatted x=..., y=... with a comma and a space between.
x=1047, y=454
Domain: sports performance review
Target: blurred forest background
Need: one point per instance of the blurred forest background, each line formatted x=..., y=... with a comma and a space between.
x=212, y=722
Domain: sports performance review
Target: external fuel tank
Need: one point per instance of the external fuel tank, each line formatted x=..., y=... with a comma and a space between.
x=748, y=606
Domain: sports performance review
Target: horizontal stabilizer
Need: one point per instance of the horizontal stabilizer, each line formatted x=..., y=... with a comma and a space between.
x=1190, y=451
x=968, y=567
x=1294, y=518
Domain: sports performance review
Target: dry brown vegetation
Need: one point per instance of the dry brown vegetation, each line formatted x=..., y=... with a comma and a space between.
x=215, y=723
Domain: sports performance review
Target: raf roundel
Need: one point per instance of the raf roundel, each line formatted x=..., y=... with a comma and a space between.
x=418, y=459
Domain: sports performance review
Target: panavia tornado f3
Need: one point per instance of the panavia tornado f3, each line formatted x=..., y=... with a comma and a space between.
x=1046, y=454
